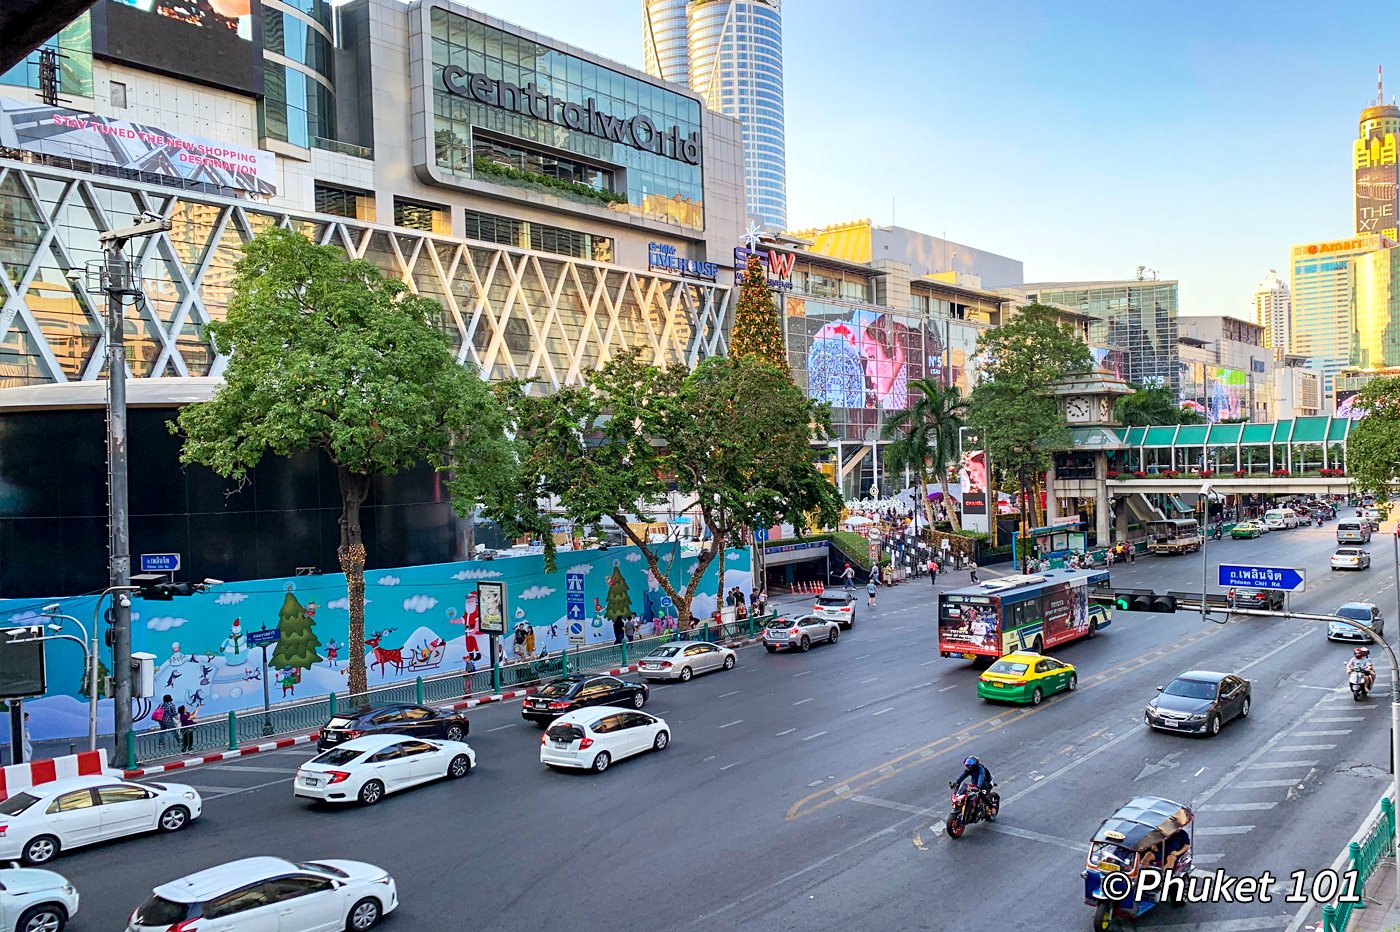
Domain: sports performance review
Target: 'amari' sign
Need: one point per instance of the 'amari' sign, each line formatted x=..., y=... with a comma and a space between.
x=638, y=131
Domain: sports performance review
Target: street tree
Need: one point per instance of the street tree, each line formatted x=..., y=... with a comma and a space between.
x=327, y=354
x=1373, y=446
x=733, y=438
x=758, y=329
x=924, y=439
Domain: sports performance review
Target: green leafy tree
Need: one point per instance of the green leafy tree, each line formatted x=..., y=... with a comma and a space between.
x=619, y=599
x=733, y=437
x=924, y=439
x=1153, y=407
x=328, y=354
x=758, y=330
x=1014, y=404
x=298, y=642
x=1373, y=446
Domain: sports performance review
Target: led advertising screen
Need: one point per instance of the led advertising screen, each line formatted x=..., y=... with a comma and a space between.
x=1346, y=405
x=859, y=358
x=1229, y=395
x=216, y=42
x=22, y=669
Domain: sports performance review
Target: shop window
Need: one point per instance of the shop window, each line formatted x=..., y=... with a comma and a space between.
x=345, y=202
x=418, y=215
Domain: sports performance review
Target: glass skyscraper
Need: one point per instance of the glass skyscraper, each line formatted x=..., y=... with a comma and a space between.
x=298, y=72
x=731, y=53
x=1322, y=288
x=1138, y=317
x=1375, y=309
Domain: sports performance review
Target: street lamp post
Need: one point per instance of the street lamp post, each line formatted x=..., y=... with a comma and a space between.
x=1205, y=537
x=90, y=652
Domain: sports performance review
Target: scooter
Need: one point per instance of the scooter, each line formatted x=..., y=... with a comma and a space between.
x=1357, y=679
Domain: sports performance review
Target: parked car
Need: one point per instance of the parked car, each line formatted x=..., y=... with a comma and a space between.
x=799, y=633
x=35, y=901
x=398, y=718
x=266, y=893
x=366, y=769
x=1367, y=613
x=1256, y=598
x=1026, y=677
x=577, y=691
x=1353, y=531
x=1247, y=530
x=1351, y=558
x=1199, y=701
x=836, y=606
x=592, y=739
x=37, y=823
x=680, y=660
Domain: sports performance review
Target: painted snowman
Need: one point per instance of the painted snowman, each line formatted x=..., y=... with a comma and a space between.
x=235, y=646
x=177, y=656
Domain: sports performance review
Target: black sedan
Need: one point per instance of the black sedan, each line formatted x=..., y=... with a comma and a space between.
x=1256, y=598
x=577, y=691
x=399, y=718
x=1199, y=702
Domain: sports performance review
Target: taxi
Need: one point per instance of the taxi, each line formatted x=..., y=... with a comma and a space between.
x=1247, y=530
x=1026, y=677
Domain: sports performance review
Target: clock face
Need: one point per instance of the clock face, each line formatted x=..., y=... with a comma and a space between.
x=1105, y=409
x=1077, y=408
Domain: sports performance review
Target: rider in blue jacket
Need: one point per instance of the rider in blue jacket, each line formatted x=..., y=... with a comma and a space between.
x=980, y=777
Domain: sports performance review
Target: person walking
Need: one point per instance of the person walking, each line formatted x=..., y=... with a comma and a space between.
x=187, y=717
x=630, y=628
x=166, y=716
x=618, y=630
x=870, y=592
x=848, y=577
x=972, y=568
x=932, y=571
x=26, y=742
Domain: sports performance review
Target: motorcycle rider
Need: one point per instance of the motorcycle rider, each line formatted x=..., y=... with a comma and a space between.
x=980, y=777
x=1362, y=661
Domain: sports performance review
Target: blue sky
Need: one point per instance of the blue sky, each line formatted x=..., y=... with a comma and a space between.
x=1197, y=138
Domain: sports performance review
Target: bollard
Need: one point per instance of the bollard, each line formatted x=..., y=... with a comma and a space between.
x=566, y=661
x=130, y=750
x=332, y=699
x=1329, y=918
x=418, y=690
x=1354, y=855
x=232, y=731
x=624, y=652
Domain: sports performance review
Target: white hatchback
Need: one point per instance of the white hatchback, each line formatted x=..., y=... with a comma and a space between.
x=366, y=769
x=266, y=893
x=35, y=901
x=592, y=738
x=37, y=823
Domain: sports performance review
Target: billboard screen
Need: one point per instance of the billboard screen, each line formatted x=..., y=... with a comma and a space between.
x=1229, y=394
x=859, y=358
x=1346, y=405
x=1110, y=359
x=217, y=42
x=22, y=669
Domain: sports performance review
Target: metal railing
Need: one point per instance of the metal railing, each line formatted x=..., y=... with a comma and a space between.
x=230, y=731
x=1364, y=857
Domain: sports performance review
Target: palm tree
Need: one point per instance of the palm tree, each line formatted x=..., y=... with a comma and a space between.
x=924, y=438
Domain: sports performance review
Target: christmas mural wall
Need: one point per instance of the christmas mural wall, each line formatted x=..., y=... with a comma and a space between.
x=419, y=621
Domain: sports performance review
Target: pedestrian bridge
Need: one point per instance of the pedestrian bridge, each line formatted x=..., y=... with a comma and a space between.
x=1229, y=485
x=1296, y=446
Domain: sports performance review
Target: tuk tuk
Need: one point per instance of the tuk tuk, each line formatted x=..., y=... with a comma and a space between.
x=1148, y=833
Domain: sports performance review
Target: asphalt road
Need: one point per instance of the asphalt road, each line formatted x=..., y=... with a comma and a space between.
x=807, y=792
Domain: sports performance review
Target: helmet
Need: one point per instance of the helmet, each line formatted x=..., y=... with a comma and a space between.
x=1361, y=652
x=970, y=762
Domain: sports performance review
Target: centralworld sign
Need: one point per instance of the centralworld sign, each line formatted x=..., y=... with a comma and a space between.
x=636, y=131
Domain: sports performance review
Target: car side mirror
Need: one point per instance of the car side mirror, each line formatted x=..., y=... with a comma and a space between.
x=1160, y=688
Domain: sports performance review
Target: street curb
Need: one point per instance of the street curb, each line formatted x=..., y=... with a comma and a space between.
x=281, y=743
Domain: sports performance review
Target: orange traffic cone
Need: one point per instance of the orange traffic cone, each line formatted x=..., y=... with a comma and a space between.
x=821, y=587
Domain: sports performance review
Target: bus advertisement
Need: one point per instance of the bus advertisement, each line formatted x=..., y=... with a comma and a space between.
x=1020, y=612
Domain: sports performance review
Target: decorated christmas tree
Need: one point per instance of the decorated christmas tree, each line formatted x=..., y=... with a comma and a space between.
x=103, y=676
x=619, y=599
x=757, y=330
x=297, y=646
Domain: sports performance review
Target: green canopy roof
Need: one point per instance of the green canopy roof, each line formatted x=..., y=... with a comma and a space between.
x=1282, y=430
x=1224, y=434
x=1135, y=435
x=1310, y=429
x=1191, y=435
x=1159, y=437
x=1339, y=428
x=1257, y=433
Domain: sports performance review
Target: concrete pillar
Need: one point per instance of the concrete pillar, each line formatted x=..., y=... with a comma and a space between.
x=1052, y=505
x=1120, y=531
x=1101, y=528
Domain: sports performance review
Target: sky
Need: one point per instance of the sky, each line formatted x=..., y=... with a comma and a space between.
x=1198, y=138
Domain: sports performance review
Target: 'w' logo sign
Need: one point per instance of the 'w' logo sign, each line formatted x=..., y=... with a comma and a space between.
x=780, y=264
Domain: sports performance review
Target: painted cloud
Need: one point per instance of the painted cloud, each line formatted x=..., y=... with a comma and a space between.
x=230, y=598
x=536, y=592
x=419, y=603
x=343, y=603
x=165, y=623
x=388, y=580
x=477, y=574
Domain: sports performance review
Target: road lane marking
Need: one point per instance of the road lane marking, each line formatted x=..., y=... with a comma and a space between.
x=888, y=708
x=1131, y=732
x=1255, y=924
x=946, y=688
x=862, y=656
x=927, y=662
x=503, y=727
x=803, y=673
x=871, y=680
x=1319, y=734
x=1207, y=858
x=1281, y=765
x=214, y=792
x=1338, y=718
x=735, y=764
x=1223, y=830
x=727, y=695
x=788, y=732
x=1003, y=829
x=1262, y=784
x=249, y=768
x=808, y=699
x=898, y=807
x=247, y=789
x=737, y=721
x=817, y=735
x=1305, y=747
x=1237, y=807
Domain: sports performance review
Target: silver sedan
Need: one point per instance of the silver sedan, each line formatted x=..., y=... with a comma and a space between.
x=800, y=632
x=680, y=660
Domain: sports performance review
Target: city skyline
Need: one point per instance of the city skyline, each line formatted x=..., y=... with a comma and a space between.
x=1179, y=94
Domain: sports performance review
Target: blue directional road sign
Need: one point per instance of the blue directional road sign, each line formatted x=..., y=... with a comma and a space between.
x=1281, y=578
x=160, y=562
x=262, y=638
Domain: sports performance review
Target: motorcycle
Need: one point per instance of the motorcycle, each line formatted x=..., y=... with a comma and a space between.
x=969, y=808
x=1218, y=533
x=1357, y=679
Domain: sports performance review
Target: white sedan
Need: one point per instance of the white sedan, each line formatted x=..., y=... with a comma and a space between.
x=35, y=901
x=680, y=660
x=592, y=738
x=1351, y=558
x=37, y=823
x=267, y=893
x=365, y=769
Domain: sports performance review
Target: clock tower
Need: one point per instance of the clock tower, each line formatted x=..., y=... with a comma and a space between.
x=1077, y=484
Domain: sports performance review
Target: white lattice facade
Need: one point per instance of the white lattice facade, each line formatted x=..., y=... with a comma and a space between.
x=514, y=313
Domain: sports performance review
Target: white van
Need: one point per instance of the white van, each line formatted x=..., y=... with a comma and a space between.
x=1353, y=531
x=1280, y=518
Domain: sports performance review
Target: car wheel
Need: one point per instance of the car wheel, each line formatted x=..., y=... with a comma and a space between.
x=639, y=699
x=461, y=766
x=806, y=644
x=455, y=732
x=771, y=648
x=662, y=739
x=835, y=633
x=1073, y=682
x=686, y=674
x=371, y=793
x=363, y=915
x=1244, y=709
x=601, y=762
x=41, y=850
x=45, y=917
x=1036, y=696
x=174, y=819
x=729, y=662
x=1213, y=725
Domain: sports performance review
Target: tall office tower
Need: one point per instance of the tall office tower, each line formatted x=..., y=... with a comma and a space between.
x=1374, y=163
x=1322, y=328
x=1273, y=306
x=733, y=58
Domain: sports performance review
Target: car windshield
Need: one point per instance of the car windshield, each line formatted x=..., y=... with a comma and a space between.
x=557, y=688
x=158, y=911
x=337, y=756
x=564, y=732
x=1007, y=666
x=17, y=804
x=1357, y=612
x=323, y=868
x=1346, y=553
x=831, y=600
x=1190, y=689
x=669, y=651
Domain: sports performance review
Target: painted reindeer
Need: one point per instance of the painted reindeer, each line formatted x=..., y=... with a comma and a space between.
x=384, y=656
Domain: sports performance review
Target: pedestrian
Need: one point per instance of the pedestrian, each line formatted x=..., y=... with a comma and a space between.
x=848, y=577
x=618, y=630
x=166, y=716
x=972, y=568
x=187, y=717
x=26, y=742
x=870, y=592
x=630, y=627
x=932, y=571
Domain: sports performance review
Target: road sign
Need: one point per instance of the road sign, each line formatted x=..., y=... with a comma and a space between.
x=874, y=553
x=259, y=638
x=575, y=632
x=1281, y=578
x=160, y=562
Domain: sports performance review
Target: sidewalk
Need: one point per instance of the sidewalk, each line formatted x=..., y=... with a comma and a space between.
x=1382, y=912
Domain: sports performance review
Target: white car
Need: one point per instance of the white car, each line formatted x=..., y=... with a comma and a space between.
x=35, y=901
x=266, y=894
x=799, y=633
x=836, y=606
x=1351, y=558
x=592, y=738
x=37, y=823
x=366, y=769
x=680, y=660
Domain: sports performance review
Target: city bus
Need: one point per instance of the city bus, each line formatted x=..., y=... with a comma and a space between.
x=1000, y=616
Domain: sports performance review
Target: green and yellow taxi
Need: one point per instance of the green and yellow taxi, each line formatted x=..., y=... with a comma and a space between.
x=1026, y=677
x=1247, y=530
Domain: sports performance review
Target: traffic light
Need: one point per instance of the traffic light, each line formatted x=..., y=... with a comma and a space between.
x=1135, y=600
x=154, y=587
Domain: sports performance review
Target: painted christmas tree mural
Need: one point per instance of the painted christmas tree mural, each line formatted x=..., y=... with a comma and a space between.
x=297, y=648
x=757, y=329
x=103, y=676
x=619, y=599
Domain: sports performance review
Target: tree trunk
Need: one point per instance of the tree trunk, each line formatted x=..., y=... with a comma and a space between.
x=354, y=489
x=719, y=602
x=682, y=600
x=948, y=502
x=1022, y=541
x=927, y=505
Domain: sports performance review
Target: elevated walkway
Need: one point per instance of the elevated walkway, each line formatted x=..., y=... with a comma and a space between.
x=1263, y=485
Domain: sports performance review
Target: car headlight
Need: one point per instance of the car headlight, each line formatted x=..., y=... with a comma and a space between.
x=386, y=880
x=190, y=794
x=68, y=889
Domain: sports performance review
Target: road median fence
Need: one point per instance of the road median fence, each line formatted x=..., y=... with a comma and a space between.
x=229, y=732
x=1363, y=855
